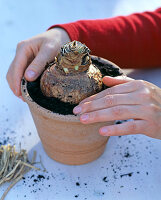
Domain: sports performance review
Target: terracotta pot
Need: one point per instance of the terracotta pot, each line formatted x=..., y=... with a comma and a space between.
x=64, y=138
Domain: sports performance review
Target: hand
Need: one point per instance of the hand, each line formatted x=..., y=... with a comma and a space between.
x=32, y=56
x=127, y=99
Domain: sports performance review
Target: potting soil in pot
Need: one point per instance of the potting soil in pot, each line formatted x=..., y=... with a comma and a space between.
x=57, y=106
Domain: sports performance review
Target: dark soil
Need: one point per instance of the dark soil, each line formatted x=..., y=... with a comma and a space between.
x=57, y=106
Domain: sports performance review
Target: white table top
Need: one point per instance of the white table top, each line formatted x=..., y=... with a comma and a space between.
x=130, y=168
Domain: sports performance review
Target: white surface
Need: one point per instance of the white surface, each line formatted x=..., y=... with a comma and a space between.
x=22, y=19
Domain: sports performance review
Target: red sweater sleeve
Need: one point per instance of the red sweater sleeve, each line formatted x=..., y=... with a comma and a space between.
x=132, y=41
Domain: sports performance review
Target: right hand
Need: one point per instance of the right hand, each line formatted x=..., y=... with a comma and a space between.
x=32, y=55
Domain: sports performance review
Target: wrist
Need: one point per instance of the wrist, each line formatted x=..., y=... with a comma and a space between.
x=61, y=33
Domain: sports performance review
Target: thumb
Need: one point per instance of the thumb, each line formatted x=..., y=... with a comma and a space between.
x=38, y=64
x=112, y=81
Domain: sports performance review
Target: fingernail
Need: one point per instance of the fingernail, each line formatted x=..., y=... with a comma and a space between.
x=104, y=131
x=84, y=117
x=30, y=74
x=77, y=110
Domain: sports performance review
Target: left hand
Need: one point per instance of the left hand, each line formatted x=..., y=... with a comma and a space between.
x=126, y=99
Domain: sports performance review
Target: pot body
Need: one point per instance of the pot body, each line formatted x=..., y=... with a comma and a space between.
x=68, y=141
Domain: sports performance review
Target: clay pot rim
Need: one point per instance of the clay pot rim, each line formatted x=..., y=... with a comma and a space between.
x=47, y=113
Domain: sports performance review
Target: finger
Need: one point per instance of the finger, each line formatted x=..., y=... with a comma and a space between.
x=111, y=81
x=118, y=89
x=16, y=70
x=126, y=128
x=45, y=55
x=122, y=112
x=107, y=102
